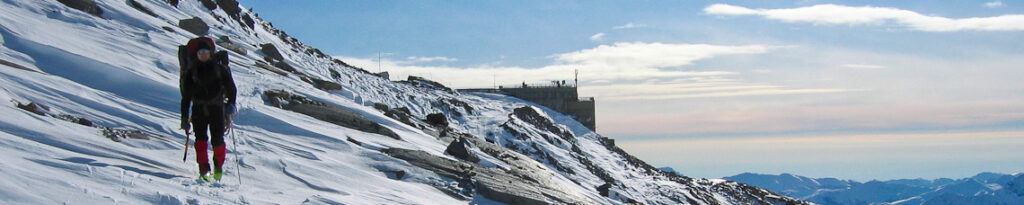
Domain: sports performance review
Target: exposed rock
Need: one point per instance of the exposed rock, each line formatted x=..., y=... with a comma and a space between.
x=437, y=120
x=354, y=141
x=173, y=3
x=530, y=187
x=271, y=51
x=396, y=175
x=225, y=42
x=79, y=120
x=87, y=6
x=380, y=106
x=530, y=115
x=461, y=149
x=36, y=108
x=401, y=114
x=248, y=22
x=209, y=4
x=285, y=66
x=424, y=83
x=322, y=111
x=321, y=84
x=603, y=189
x=15, y=65
x=270, y=68
x=168, y=29
x=335, y=74
x=230, y=7
x=141, y=8
x=194, y=25
x=117, y=135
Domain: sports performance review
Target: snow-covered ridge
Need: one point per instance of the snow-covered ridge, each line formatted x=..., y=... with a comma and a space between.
x=117, y=70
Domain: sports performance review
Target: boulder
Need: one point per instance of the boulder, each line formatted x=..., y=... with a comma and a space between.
x=87, y=6
x=230, y=7
x=461, y=149
x=401, y=114
x=437, y=120
x=194, y=25
x=209, y=4
x=285, y=66
x=271, y=51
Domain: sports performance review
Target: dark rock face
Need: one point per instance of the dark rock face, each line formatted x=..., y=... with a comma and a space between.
x=530, y=115
x=173, y=2
x=194, y=25
x=248, y=22
x=141, y=8
x=460, y=149
x=209, y=4
x=271, y=51
x=437, y=120
x=322, y=111
x=230, y=7
x=87, y=6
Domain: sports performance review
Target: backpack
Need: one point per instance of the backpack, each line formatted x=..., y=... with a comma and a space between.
x=187, y=56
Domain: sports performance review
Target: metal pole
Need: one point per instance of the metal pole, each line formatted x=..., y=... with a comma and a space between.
x=237, y=169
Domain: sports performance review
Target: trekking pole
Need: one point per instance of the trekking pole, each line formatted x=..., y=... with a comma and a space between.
x=184, y=158
x=235, y=148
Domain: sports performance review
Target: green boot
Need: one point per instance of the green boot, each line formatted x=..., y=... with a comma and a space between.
x=217, y=173
x=204, y=172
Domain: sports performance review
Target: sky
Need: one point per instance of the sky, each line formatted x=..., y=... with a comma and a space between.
x=857, y=90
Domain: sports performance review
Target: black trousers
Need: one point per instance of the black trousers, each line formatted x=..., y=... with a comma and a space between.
x=208, y=118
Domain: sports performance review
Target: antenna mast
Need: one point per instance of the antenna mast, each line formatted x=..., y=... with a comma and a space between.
x=577, y=83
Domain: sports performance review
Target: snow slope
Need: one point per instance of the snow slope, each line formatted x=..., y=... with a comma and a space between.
x=118, y=72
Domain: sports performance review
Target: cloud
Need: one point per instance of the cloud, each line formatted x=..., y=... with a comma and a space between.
x=863, y=66
x=621, y=71
x=829, y=14
x=994, y=4
x=654, y=55
x=431, y=59
x=597, y=37
x=628, y=26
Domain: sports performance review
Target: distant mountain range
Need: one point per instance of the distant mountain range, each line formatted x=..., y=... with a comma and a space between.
x=984, y=188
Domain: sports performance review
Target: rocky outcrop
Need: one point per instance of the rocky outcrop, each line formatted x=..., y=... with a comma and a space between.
x=424, y=83
x=87, y=6
x=194, y=25
x=322, y=111
x=321, y=84
x=461, y=149
x=529, y=115
x=271, y=51
x=209, y=4
x=230, y=7
x=493, y=183
x=437, y=120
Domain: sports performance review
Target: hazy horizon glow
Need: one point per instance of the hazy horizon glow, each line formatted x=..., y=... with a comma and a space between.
x=701, y=75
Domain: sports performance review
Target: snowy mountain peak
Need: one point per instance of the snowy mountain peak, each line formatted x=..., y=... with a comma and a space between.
x=93, y=118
